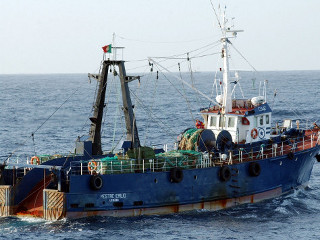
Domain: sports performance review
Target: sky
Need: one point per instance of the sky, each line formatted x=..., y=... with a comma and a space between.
x=66, y=36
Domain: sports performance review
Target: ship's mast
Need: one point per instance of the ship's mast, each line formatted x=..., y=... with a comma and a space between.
x=227, y=103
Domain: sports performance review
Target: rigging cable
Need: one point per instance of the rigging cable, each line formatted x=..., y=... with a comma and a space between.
x=34, y=145
x=144, y=41
x=32, y=134
x=241, y=89
x=192, y=81
x=184, y=91
x=116, y=114
x=195, y=50
x=174, y=65
x=215, y=84
x=95, y=93
x=177, y=56
x=152, y=103
x=243, y=57
x=196, y=55
x=195, y=89
x=153, y=116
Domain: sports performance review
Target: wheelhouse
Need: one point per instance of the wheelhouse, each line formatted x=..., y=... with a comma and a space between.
x=246, y=122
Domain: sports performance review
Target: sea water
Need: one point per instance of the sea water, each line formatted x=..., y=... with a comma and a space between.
x=44, y=114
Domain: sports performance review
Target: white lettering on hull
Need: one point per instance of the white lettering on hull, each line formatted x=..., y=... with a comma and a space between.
x=262, y=109
x=113, y=197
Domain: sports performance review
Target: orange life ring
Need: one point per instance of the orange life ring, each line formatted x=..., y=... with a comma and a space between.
x=92, y=165
x=254, y=133
x=36, y=159
x=199, y=124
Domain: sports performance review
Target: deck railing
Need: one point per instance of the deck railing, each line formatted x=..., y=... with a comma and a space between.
x=132, y=165
x=163, y=163
x=290, y=145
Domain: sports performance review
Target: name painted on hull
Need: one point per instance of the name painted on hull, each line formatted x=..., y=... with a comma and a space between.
x=113, y=197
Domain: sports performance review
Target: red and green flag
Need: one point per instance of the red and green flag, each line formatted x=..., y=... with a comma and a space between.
x=107, y=48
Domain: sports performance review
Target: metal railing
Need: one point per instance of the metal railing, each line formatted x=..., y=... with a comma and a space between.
x=277, y=149
x=163, y=163
x=96, y=166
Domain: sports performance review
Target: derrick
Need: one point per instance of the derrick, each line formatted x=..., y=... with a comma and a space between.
x=96, y=119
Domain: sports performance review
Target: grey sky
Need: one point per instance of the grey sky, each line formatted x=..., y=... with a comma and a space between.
x=66, y=36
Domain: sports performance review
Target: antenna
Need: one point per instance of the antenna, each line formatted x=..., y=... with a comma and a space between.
x=216, y=14
x=113, y=46
x=116, y=48
x=234, y=32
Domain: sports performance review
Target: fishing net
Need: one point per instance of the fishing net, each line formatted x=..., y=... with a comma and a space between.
x=179, y=158
x=189, y=139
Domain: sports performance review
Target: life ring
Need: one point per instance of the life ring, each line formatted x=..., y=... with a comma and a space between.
x=199, y=124
x=291, y=155
x=254, y=169
x=254, y=133
x=92, y=165
x=224, y=174
x=96, y=182
x=176, y=174
x=35, y=160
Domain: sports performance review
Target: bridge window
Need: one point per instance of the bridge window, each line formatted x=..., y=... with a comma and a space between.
x=231, y=122
x=213, y=121
x=267, y=119
x=222, y=121
x=261, y=120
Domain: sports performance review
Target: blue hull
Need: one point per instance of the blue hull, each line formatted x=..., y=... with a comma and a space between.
x=152, y=192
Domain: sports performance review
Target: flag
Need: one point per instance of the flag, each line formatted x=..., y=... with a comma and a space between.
x=107, y=48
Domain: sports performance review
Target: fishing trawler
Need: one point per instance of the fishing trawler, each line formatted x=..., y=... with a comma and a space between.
x=234, y=156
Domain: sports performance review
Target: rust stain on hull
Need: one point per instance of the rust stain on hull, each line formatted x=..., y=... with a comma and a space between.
x=210, y=205
x=32, y=205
